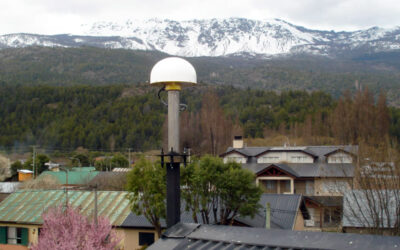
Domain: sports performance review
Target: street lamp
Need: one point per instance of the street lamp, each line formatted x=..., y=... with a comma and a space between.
x=172, y=74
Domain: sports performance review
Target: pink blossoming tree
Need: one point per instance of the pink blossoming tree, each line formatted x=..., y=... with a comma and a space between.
x=66, y=229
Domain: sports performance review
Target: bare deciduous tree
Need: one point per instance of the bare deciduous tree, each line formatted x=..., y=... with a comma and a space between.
x=373, y=206
x=209, y=131
x=4, y=168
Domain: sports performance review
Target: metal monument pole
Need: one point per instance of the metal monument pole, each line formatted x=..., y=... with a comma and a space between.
x=172, y=73
x=173, y=120
x=173, y=168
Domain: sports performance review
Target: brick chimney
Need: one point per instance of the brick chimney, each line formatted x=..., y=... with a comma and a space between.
x=238, y=141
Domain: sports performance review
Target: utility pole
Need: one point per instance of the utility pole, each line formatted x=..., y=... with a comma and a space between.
x=33, y=161
x=129, y=157
x=267, y=215
x=95, y=205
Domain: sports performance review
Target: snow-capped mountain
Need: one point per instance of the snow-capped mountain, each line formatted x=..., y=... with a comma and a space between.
x=216, y=37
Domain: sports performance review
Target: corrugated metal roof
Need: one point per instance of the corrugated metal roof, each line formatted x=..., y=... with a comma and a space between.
x=194, y=236
x=27, y=206
x=307, y=169
x=9, y=187
x=283, y=211
x=371, y=208
x=74, y=177
x=134, y=220
x=83, y=169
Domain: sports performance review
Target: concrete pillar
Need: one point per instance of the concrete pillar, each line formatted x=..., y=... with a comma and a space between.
x=291, y=186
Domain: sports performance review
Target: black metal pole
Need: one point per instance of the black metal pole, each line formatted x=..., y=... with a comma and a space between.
x=173, y=194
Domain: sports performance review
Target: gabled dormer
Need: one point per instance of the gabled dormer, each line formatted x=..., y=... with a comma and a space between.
x=234, y=156
x=340, y=156
x=286, y=154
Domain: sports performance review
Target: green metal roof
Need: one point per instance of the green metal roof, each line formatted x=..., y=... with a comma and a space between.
x=86, y=169
x=27, y=206
x=74, y=177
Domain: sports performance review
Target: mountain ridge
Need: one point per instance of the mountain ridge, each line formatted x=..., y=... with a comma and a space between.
x=217, y=37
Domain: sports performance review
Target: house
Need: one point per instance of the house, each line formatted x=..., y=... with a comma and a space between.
x=24, y=174
x=313, y=171
x=371, y=211
x=20, y=215
x=6, y=188
x=77, y=176
x=195, y=236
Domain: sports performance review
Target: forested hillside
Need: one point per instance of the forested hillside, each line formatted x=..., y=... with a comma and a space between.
x=122, y=116
x=95, y=66
x=116, y=117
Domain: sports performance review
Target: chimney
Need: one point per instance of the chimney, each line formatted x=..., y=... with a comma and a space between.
x=238, y=141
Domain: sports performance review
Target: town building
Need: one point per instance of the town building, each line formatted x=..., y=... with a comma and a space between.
x=320, y=173
x=21, y=215
x=21, y=211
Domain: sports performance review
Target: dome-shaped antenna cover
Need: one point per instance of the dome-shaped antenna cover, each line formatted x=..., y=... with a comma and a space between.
x=173, y=70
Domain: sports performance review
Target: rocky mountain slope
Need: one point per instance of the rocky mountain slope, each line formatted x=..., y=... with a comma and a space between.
x=217, y=37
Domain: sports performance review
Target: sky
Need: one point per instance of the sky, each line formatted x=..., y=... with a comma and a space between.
x=66, y=16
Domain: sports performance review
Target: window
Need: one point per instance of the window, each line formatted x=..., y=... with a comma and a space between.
x=269, y=186
x=309, y=187
x=146, y=239
x=235, y=159
x=311, y=221
x=298, y=158
x=14, y=235
x=286, y=188
x=269, y=159
x=340, y=158
x=332, y=215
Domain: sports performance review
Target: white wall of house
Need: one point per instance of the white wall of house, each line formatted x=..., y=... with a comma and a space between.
x=290, y=157
x=340, y=157
x=234, y=157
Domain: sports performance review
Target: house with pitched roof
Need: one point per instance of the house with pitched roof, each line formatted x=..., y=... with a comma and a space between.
x=21, y=215
x=317, y=172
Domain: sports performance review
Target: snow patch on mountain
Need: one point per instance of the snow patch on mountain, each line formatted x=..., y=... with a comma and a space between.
x=215, y=37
